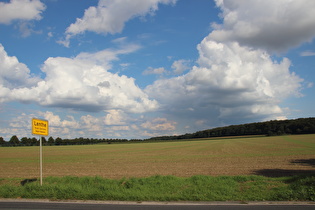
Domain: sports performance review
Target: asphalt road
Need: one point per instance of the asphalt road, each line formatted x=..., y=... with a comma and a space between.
x=19, y=205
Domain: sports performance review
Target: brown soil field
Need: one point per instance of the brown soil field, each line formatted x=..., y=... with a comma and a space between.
x=267, y=156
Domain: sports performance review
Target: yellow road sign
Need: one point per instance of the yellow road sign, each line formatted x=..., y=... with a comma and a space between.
x=39, y=127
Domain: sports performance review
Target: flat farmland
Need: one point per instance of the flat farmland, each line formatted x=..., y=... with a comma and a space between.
x=268, y=156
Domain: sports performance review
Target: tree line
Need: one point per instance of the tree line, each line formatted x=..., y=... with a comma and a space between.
x=25, y=141
x=269, y=128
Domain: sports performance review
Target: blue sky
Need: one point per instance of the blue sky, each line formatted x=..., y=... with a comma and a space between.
x=143, y=68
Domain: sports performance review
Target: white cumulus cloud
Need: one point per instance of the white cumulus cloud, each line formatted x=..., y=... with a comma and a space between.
x=21, y=10
x=159, y=124
x=230, y=81
x=82, y=83
x=272, y=25
x=77, y=84
x=110, y=16
x=13, y=74
x=115, y=117
x=180, y=66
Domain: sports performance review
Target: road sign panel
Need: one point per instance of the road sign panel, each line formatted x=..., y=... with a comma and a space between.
x=39, y=127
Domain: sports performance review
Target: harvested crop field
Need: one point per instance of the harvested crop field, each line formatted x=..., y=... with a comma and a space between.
x=267, y=156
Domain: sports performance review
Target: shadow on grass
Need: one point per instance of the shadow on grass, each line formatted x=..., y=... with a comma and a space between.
x=305, y=162
x=288, y=173
x=283, y=172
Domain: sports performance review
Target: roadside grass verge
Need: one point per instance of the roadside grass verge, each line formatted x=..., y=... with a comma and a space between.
x=165, y=188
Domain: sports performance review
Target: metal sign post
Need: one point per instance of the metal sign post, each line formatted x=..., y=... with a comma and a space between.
x=40, y=127
x=41, y=159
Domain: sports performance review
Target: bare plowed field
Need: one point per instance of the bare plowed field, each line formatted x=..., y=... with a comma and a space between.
x=268, y=156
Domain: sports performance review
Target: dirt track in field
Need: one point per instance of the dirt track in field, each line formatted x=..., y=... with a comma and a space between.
x=268, y=156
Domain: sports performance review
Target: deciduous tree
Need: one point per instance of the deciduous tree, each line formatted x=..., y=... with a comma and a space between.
x=14, y=140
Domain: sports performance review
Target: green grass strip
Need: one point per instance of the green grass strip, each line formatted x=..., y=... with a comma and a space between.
x=165, y=188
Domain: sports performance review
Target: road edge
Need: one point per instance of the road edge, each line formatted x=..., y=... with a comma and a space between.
x=162, y=202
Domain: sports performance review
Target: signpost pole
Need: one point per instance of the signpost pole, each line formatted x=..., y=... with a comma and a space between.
x=41, y=160
x=40, y=127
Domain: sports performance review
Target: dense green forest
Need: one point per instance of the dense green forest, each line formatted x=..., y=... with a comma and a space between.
x=269, y=128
